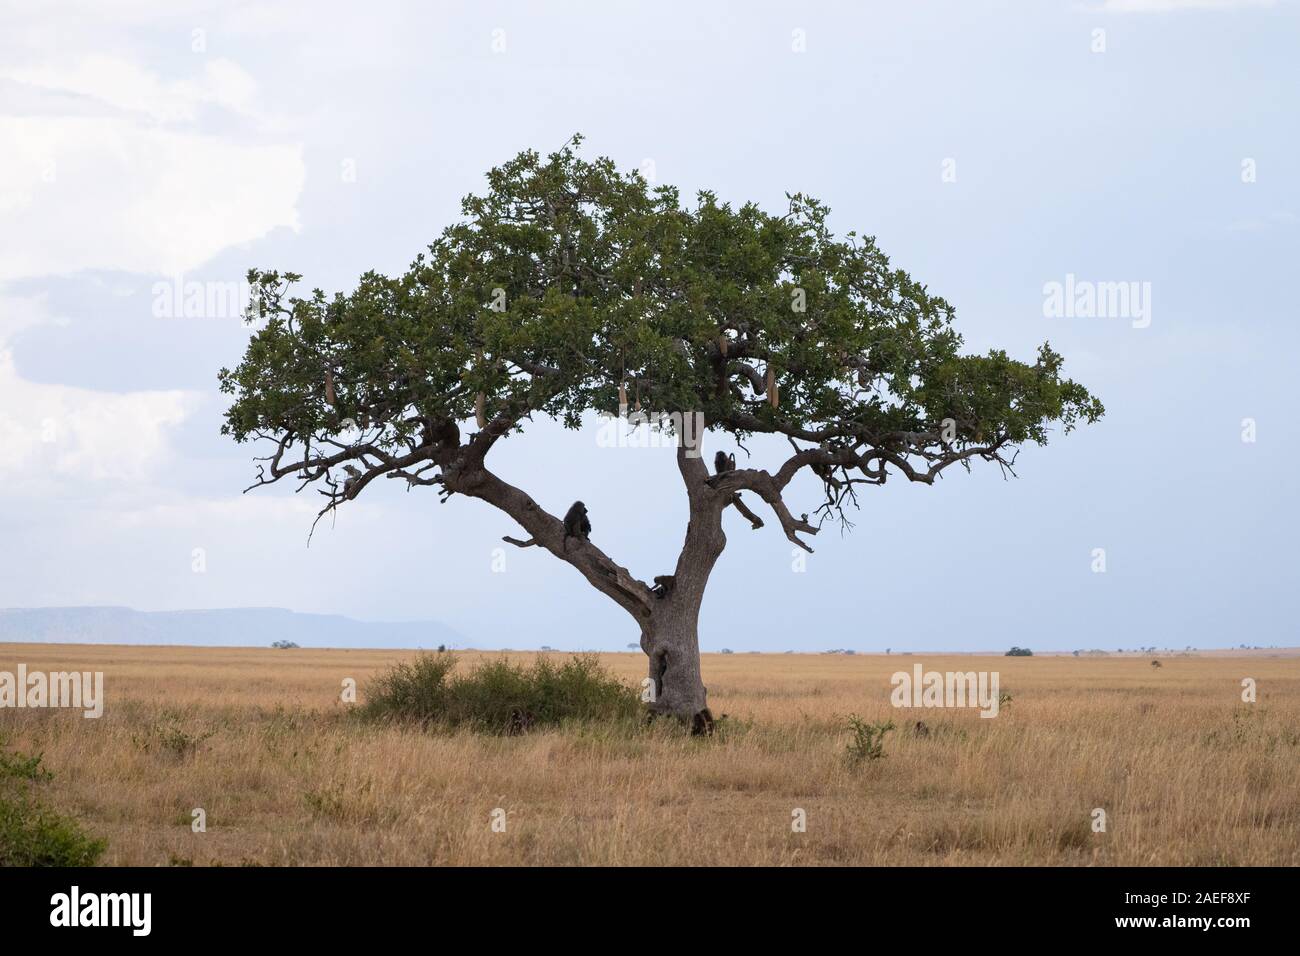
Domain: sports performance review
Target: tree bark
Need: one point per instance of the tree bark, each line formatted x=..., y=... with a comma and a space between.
x=670, y=636
x=671, y=641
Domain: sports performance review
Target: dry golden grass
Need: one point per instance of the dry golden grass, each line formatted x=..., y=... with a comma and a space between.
x=1187, y=773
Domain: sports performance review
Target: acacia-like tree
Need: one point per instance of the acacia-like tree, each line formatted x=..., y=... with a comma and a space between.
x=570, y=288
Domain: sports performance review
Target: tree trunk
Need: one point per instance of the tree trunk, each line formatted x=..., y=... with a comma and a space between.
x=670, y=637
x=671, y=640
x=669, y=613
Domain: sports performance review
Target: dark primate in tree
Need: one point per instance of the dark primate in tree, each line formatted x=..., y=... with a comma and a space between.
x=723, y=463
x=576, y=523
x=569, y=284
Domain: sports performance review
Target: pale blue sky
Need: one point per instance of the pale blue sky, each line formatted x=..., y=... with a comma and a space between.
x=133, y=147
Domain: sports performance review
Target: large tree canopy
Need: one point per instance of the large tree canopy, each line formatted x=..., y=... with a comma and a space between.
x=570, y=287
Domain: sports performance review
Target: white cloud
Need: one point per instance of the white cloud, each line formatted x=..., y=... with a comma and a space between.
x=106, y=165
x=101, y=193
x=106, y=170
x=123, y=85
x=56, y=432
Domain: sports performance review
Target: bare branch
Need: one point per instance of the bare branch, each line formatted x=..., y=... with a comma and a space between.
x=740, y=506
x=769, y=489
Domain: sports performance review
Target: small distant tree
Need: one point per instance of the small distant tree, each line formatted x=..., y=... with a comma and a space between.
x=568, y=289
x=1020, y=652
x=283, y=645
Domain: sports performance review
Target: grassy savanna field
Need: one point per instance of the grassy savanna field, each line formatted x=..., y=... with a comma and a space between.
x=1186, y=772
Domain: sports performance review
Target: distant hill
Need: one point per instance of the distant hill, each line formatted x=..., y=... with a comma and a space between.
x=227, y=627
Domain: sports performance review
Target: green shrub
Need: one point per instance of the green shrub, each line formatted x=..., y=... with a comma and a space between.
x=16, y=766
x=411, y=690
x=868, y=741
x=498, y=696
x=31, y=834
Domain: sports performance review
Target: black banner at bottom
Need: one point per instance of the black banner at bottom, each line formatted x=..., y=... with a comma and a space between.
x=336, y=905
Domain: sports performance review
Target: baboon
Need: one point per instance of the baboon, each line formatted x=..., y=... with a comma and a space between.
x=576, y=524
x=664, y=585
x=723, y=463
x=446, y=434
x=519, y=723
x=921, y=730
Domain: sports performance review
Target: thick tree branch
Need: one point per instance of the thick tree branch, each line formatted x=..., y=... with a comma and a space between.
x=767, y=488
x=547, y=531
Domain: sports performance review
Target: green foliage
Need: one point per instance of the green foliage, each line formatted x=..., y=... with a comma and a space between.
x=567, y=279
x=31, y=834
x=868, y=742
x=16, y=766
x=1019, y=652
x=498, y=696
